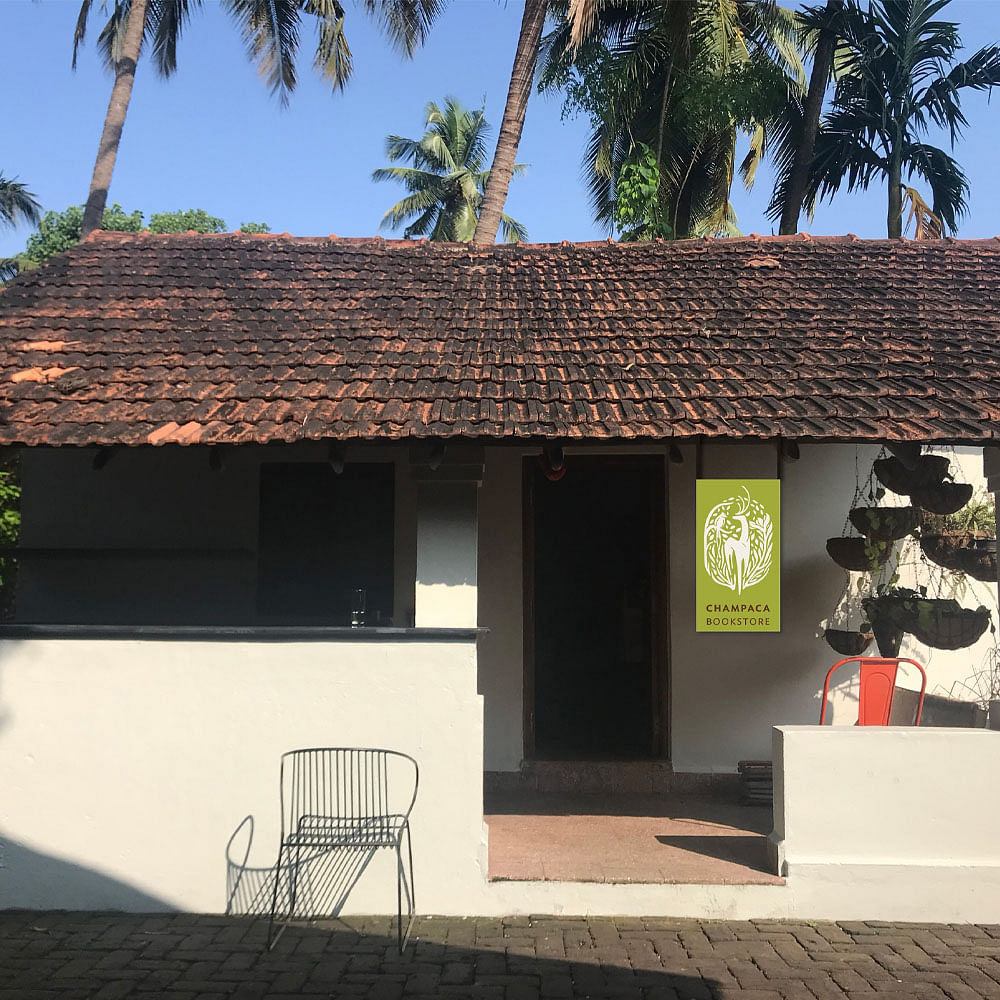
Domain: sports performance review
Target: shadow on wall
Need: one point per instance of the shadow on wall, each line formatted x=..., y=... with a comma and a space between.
x=324, y=880
x=31, y=879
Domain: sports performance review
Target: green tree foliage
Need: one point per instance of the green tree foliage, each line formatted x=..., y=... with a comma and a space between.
x=446, y=180
x=196, y=219
x=680, y=79
x=896, y=80
x=58, y=231
x=638, y=212
x=10, y=527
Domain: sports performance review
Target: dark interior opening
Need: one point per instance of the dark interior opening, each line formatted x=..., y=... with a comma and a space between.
x=323, y=536
x=595, y=581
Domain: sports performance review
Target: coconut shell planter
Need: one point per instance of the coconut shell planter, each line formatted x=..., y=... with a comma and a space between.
x=927, y=471
x=846, y=642
x=979, y=560
x=936, y=622
x=944, y=498
x=946, y=625
x=963, y=552
x=857, y=554
x=885, y=523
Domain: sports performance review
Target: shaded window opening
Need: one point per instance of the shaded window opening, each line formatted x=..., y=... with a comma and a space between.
x=323, y=536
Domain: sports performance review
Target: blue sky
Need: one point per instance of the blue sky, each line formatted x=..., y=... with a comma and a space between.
x=212, y=137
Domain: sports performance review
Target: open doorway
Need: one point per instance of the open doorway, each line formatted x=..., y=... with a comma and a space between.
x=595, y=610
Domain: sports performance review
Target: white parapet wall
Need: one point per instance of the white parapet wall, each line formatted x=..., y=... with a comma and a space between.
x=127, y=764
x=888, y=823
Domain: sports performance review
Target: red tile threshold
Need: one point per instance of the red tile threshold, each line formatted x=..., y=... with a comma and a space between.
x=627, y=839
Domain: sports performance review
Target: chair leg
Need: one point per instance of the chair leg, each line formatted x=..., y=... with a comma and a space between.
x=399, y=899
x=271, y=938
x=413, y=891
x=411, y=902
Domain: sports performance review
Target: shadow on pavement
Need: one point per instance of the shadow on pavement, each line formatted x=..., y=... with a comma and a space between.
x=56, y=956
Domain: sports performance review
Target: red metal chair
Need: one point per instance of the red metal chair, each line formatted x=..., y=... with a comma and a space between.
x=877, y=686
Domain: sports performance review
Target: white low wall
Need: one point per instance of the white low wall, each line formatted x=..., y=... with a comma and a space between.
x=906, y=819
x=127, y=764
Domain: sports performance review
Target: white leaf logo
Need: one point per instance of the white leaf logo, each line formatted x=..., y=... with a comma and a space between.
x=739, y=537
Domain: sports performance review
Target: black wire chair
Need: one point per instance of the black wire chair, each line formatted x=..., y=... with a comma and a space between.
x=340, y=799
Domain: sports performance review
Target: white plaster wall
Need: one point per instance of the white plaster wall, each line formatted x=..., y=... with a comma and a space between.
x=501, y=603
x=127, y=764
x=886, y=796
x=727, y=690
x=447, y=555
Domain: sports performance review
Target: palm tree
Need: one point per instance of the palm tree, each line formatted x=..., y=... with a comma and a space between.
x=512, y=124
x=17, y=204
x=827, y=32
x=899, y=79
x=270, y=30
x=446, y=180
x=677, y=79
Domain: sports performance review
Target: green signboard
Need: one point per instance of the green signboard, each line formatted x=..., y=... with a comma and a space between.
x=739, y=555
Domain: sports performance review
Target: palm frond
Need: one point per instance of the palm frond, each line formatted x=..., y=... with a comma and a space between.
x=926, y=225
x=511, y=230
x=167, y=20
x=405, y=22
x=944, y=177
x=17, y=203
x=270, y=30
x=80, y=31
x=413, y=204
x=333, y=59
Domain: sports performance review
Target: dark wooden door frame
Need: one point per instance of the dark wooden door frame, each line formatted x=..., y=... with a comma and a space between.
x=659, y=535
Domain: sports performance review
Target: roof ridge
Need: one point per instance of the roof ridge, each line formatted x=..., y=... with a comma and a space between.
x=100, y=235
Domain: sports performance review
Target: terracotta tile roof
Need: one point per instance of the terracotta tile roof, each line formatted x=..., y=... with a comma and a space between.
x=229, y=339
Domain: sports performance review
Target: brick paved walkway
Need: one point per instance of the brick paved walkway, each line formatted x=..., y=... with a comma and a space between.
x=59, y=956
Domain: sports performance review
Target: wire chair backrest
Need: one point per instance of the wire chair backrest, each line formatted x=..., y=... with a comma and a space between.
x=347, y=783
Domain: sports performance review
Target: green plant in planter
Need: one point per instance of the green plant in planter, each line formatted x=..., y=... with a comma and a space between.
x=938, y=622
x=885, y=523
x=976, y=518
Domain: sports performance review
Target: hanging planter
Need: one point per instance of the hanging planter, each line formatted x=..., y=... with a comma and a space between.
x=927, y=471
x=908, y=452
x=941, y=623
x=847, y=642
x=858, y=554
x=964, y=552
x=979, y=559
x=945, y=624
x=885, y=616
x=944, y=498
x=944, y=549
x=885, y=523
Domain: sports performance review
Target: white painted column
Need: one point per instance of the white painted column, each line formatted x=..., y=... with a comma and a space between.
x=447, y=547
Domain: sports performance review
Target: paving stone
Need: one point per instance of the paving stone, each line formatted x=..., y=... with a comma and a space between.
x=178, y=957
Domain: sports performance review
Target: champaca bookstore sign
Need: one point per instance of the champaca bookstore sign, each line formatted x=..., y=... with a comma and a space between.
x=739, y=555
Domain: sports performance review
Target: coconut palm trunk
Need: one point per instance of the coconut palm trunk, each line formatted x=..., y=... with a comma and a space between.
x=521, y=78
x=798, y=179
x=894, y=216
x=114, y=121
